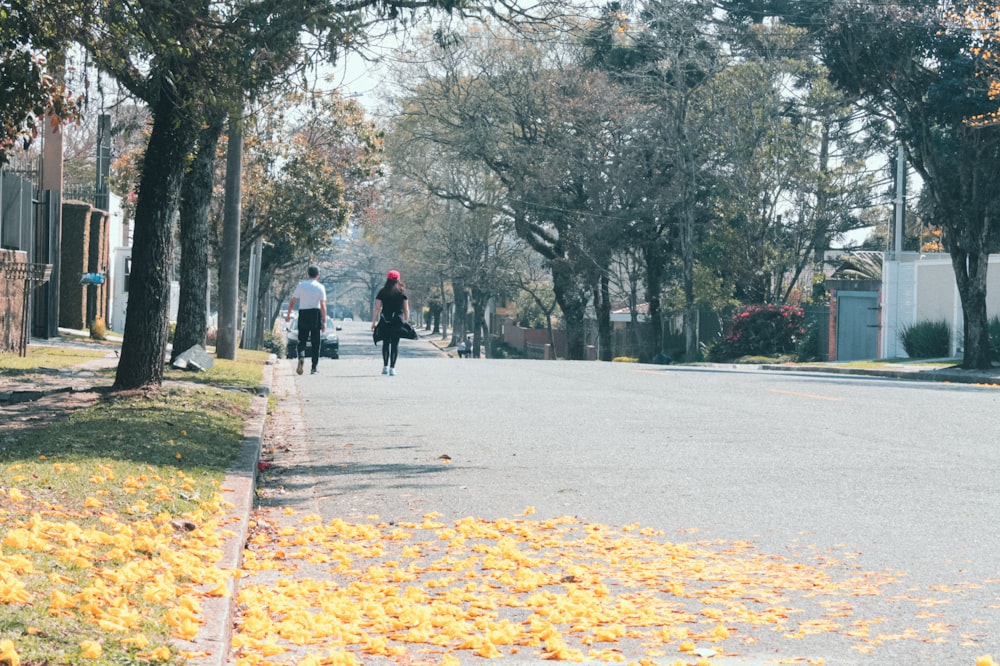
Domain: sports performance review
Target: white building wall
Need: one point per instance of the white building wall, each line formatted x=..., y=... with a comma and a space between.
x=921, y=287
x=120, y=257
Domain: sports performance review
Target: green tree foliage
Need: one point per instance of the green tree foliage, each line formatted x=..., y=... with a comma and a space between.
x=181, y=58
x=793, y=167
x=309, y=166
x=917, y=66
x=666, y=55
x=31, y=87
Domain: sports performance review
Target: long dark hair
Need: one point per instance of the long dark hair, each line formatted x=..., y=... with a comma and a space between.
x=395, y=286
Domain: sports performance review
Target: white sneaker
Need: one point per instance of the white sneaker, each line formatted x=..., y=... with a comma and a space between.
x=385, y=369
x=392, y=372
x=299, y=368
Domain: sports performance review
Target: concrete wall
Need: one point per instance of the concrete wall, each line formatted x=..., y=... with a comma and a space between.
x=529, y=340
x=921, y=287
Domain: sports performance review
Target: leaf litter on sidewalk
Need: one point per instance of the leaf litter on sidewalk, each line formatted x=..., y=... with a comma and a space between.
x=430, y=592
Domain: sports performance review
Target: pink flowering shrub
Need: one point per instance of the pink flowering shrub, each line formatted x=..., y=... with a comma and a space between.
x=762, y=330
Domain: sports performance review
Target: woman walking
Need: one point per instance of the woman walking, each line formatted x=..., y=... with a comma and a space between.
x=389, y=320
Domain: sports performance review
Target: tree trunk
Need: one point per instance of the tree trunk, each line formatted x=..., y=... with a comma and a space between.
x=970, y=275
x=572, y=298
x=479, y=330
x=654, y=319
x=460, y=325
x=196, y=200
x=144, y=344
x=690, y=309
x=444, y=309
x=602, y=305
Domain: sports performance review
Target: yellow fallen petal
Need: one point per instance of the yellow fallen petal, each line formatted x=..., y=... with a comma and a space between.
x=161, y=653
x=91, y=649
x=8, y=655
x=136, y=640
x=269, y=648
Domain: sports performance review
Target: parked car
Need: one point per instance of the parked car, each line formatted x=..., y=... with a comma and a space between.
x=329, y=347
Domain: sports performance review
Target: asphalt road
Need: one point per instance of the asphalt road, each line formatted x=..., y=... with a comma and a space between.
x=894, y=477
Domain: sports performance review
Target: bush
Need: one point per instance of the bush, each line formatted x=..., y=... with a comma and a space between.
x=926, y=339
x=501, y=349
x=762, y=330
x=98, y=329
x=274, y=343
x=808, y=347
x=995, y=336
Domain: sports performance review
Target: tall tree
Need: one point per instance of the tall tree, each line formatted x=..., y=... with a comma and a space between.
x=177, y=57
x=669, y=53
x=792, y=164
x=196, y=201
x=452, y=219
x=535, y=122
x=309, y=166
x=917, y=66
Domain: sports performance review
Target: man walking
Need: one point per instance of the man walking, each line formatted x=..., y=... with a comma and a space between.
x=310, y=295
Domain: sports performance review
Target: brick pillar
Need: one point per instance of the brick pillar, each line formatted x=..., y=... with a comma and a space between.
x=74, y=257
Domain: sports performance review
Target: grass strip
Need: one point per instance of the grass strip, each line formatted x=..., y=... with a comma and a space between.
x=111, y=523
x=41, y=358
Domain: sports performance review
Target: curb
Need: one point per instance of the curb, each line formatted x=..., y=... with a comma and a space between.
x=238, y=488
x=945, y=376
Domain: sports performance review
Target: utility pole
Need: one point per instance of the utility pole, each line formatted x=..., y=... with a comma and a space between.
x=229, y=278
x=102, y=196
x=252, y=336
x=47, y=242
x=900, y=198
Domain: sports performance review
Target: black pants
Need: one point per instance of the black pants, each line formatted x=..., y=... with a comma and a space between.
x=309, y=325
x=390, y=351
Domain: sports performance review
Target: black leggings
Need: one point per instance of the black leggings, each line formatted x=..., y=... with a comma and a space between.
x=390, y=351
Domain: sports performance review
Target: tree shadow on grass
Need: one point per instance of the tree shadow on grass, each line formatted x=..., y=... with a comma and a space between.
x=184, y=428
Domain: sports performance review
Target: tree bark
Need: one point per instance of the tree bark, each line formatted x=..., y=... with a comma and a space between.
x=479, y=330
x=196, y=200
x=144, y=344
x=460, y=324
x=602, y=306
x=970, y=273
x=654, y=319
x=572, y=298
x=690, y=309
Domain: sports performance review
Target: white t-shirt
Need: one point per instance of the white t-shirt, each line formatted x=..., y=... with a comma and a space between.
x=310, y=294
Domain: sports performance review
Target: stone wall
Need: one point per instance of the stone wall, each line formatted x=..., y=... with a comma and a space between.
x=11, y=303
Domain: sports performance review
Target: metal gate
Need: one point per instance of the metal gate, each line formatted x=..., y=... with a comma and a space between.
x=30, y=222
x=857, y=325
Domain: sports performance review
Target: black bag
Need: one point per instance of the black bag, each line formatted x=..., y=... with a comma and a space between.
x=392, y=328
